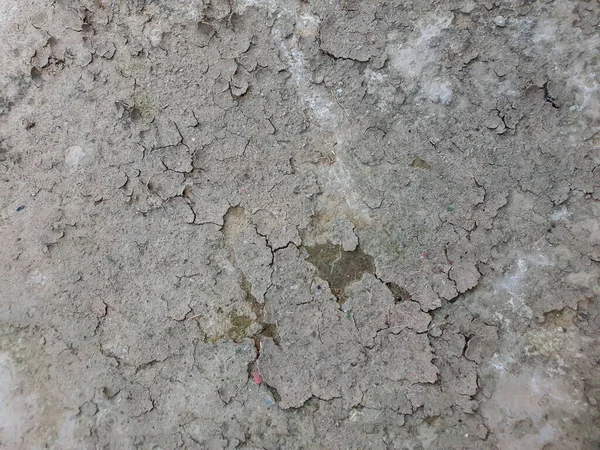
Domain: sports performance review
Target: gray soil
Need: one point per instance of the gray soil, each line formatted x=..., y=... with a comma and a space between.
x=289, y=224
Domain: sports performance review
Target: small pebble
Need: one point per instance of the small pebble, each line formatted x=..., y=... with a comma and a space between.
x=592, y=401
x=500, y=21
x=435, y=332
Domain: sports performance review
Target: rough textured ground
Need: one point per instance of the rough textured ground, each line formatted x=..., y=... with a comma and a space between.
x=299, y=224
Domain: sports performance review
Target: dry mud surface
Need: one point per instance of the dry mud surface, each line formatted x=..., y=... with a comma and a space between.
x=288, y=224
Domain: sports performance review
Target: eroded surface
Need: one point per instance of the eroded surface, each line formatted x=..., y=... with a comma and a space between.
x=288, y=224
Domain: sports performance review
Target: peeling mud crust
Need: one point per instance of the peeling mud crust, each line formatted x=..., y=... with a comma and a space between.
x=299, y=224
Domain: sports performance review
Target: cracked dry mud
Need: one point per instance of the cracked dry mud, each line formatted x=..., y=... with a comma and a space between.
x=299, y=224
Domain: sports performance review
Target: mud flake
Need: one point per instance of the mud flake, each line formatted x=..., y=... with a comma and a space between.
x=408, y=315
x=176, y=158
x=405, y=356
x=465, y=275
x=251, y=253
x=167, y=184
x=369, y=302
x=482, y=345
x=427, y=298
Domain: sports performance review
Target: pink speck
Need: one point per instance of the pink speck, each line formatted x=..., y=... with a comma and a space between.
x=257, y=378
x=243, y=190
x=425, y=255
